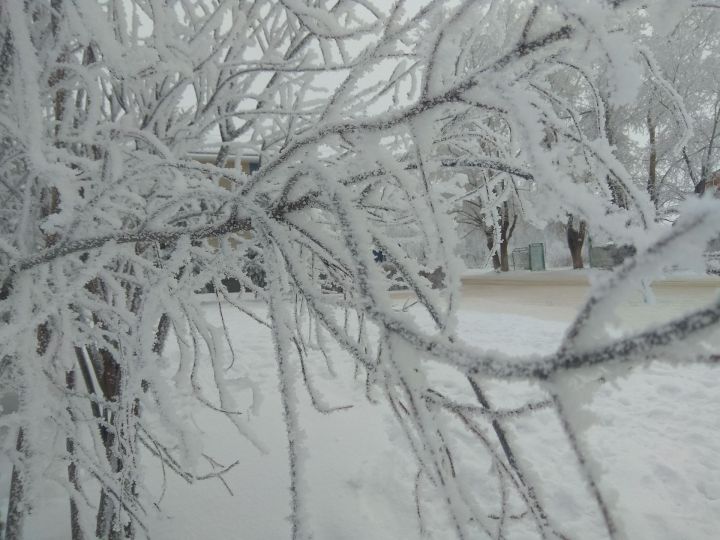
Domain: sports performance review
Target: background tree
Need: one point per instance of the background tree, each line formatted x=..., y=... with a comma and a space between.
x=683, y=118
x=666, y=138
x=496, y=223
x=104, y=244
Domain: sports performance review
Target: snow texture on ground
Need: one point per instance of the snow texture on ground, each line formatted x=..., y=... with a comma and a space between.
x=655, y=431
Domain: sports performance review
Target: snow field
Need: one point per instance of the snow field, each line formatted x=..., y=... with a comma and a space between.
x=655, y=432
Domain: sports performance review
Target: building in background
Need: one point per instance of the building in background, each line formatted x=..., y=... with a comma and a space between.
x=248, y=164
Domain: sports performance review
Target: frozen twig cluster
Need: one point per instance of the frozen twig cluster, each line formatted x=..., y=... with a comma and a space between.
x=359, y=111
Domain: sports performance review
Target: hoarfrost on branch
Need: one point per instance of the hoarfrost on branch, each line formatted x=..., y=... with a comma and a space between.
x=358, y=110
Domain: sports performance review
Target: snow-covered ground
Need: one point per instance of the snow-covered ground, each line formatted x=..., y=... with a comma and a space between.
x=655, y=431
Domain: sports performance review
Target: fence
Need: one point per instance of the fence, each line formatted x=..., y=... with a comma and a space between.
x=521, y=258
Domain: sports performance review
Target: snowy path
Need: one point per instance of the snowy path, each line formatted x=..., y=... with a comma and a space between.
x=558, y=294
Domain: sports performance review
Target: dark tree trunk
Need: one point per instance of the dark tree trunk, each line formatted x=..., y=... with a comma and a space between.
x=16, y=505
x=504, y=262
x=706, y=174
x=617, y=191
x=75, y=528
x=161, y=334
x=698, y=183
x=577, y=260
x=119, y=453
x=109, y=379
x=652, y=186
x=576, y=230
x=489, y=242
x=506, y=231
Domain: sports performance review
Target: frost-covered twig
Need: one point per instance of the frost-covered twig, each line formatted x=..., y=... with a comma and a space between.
x=109, y=229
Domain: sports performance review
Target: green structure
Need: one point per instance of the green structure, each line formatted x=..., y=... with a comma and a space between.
x=529, y=258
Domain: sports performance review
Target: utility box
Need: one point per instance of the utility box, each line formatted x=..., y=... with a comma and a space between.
x=529, y=258
x=537, y=257
x=609, y=256
x=520, y=259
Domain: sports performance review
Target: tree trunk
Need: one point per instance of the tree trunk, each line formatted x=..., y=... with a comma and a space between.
x=108, y=525
x=699, y=184
x=490, y=242
x=17, y=506
x=576, y=254
x=617, y=191
x=706, y=174
x=161, y=334
x=576, y=229
x=17, y=510
x=506, y=231
x=652, y=162
x=109, y=377
x=75, y=528
x=504, y=262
